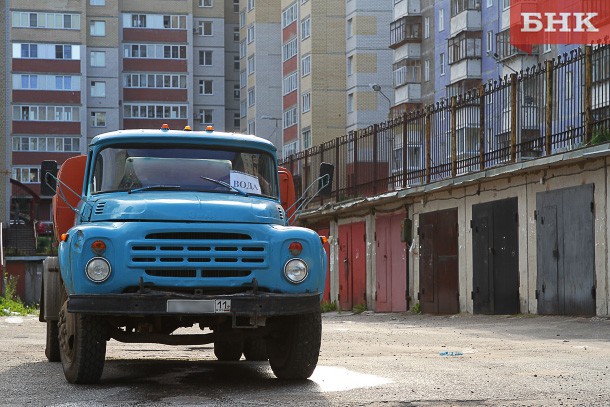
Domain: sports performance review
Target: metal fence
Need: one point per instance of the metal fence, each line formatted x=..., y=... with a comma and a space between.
x=547, y=109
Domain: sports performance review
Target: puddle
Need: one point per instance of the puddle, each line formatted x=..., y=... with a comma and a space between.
x=331, y=379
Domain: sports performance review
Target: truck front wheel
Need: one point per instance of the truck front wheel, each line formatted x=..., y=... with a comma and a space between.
x=82, y=346
x=294, y=347
x=228, y=351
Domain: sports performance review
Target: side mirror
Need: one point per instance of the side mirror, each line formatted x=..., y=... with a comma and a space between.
x=325, y=182
x=48, y=181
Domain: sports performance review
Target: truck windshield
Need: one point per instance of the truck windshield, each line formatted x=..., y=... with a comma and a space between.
x=191, y=168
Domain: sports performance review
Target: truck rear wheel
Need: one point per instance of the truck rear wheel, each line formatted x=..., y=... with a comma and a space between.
x=52, y=347
x=82, y=346
x=255, y=349
x=295, y=347
x=228, y=351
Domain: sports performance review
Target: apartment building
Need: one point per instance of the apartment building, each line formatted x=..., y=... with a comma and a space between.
x=5, y=156
x=260, y=54
x=82, y=68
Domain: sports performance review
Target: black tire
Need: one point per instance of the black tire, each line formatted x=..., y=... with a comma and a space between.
x=82, y=346
x=52, y=347
x=295, y=346
x=228, y=351
x=255, y=349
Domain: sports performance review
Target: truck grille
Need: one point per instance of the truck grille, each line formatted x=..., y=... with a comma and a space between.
x=198, y=254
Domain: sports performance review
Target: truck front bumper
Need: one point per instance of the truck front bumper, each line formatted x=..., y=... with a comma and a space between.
x=165, y=304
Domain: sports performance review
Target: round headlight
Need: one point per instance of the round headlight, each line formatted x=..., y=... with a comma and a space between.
x=295, y=270
x=98, y=269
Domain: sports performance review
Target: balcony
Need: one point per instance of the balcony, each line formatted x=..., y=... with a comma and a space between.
x=465, y=16
x=465, y=56
x=407, y=8
x=505, y=50
x=405, y=30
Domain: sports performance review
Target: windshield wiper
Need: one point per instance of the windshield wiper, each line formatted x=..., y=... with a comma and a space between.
x=224, y=184
x=155, y=188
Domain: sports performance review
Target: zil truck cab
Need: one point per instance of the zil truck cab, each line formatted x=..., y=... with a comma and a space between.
x=163, y=229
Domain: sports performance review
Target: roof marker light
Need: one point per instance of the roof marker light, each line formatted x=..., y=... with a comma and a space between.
x=209, y=129
x=165, y=127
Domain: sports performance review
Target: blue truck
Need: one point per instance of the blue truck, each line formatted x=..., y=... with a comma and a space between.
x=165, y=229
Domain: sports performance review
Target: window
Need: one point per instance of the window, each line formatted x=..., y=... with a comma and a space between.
x=251, y=127
x=290, y=117
x=98, y=89
x=306, y=137
x=205, y=28
x=206, y=116
x=97, y=58
x=290, y=83
x=46, y=113
x=236, y=92
x=407, y=71
x=206, y=3
x=205, y=58
x=243, y=79
x=154, y=111
x=289, y=15
x=405, y=29
x=427, y=27
x=65, y=144
x=306, y=28
x=158, y=81
x=236, y=6
x=251, y=97
x=97, y=28
x=350, y=103
x=506, y=4
x=350, y=65
x=29, y=50
x=250, y=69
x=26, y=82
x=57, y=21
x=490, y=41
x=98, y=119
x=306, y=102
x=63, y=82
x=97, y=2
x=236, y=63
x=465, y=45
x=427, y=70
x=205, y=87
x=289, y=49
x=250, y=5
x=459, y=6
x=243, y=109
x=63, y=52
x=243, y=49
x=250, y=34
x=138, y=20
x=236, y=121
x=290, y=149
x=350, y=28
x=306, y=65
x=242, y=19
x=490, y=3
x=26, y=175
x=441, y=58
x=236, y=34
x=441, y=20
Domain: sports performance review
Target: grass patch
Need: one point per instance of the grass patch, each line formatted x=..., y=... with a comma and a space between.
x=10, y=304
x=327, y=306
x=360, y=308
x=416, y=309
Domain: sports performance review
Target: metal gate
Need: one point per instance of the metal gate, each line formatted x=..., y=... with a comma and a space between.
x=391, y=265
x=352, y=265
x=565, y=246
x=438, y=262
x=495, y=255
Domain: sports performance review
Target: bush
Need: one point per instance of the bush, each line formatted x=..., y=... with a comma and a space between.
x=327, y=306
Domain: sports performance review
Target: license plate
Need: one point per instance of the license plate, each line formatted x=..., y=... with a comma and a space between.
x=199, y=306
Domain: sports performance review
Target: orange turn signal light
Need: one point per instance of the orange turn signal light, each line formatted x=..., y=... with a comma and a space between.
x=209, y=128
x=324, y=239
x=165, y=126
x=98, y=247
x=63, y=237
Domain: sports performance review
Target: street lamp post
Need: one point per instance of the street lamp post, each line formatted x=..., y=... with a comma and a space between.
x=377, y=88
